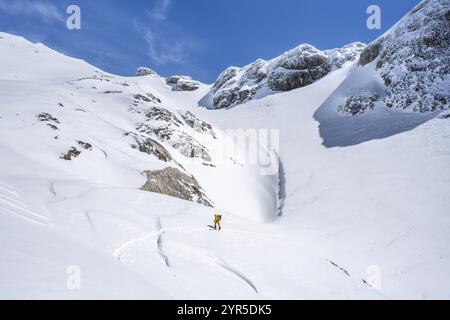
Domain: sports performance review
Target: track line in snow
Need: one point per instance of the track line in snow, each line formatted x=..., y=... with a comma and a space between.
x=8, y=190
x=212, y=259
x=20, y=211
x=160, y=250
x=125, y=246
x=52, y=188
x=236, y=272
x=390, y=243
x=159, y=243
x=13, y=205
x=88, y=217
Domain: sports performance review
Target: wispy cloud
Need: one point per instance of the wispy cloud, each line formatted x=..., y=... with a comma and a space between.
x=163, y=49
x=164, y=45
x=160, y=10
x=39, y=9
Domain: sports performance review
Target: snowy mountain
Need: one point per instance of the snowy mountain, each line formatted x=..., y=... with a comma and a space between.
x=407, y=68
x=293, y=69
x=119, y=177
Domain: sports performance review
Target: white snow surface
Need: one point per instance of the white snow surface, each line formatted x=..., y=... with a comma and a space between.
x=358, y=197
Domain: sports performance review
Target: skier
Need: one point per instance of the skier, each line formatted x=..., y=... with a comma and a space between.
x=217, y=219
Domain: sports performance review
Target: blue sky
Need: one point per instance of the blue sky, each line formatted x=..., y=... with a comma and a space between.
x=194, y=37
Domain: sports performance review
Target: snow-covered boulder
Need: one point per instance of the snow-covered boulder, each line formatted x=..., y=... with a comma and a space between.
x=182, y=83
x=143, y=71
x=358, y=104
x=298, y=67
x=347, y=53
x=413, y=58
x=171, y=181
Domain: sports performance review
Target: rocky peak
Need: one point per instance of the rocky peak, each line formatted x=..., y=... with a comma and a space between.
x=293, y=69
x=349, y=52
x=182, y=83
x=413, y=58
x=143, y=71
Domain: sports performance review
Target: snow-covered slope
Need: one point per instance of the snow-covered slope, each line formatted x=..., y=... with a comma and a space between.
x=369, y=191
x=358, y=207
x=383, y=203
x=76, y=142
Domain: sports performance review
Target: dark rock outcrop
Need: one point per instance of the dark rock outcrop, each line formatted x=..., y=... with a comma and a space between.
x=182, y=83
x=358, y=104
x=173, y=182
x=197, y=124
x=153, y=147
x=72, y=153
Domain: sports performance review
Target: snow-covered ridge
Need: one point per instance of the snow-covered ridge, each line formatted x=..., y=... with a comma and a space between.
x=406, y=70
x=293, y=69
x=413, y=59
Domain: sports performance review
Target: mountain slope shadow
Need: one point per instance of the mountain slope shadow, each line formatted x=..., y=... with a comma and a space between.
x=338, y=130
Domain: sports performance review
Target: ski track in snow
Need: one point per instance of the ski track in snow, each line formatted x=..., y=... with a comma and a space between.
x=235, y=272
x=13, y=205
x=160, y=244
x=390, y=243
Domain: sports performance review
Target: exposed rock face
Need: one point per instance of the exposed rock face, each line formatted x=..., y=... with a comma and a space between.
x=72, y=153
x=151, y=146
x=173, y=182
x=164, y=125
x=233, y=96
x=226, y=76
x=161, y=114
x=413, y=58
x=148, y=97
x=84, y=145
x=298, y=67
x=359, y=104
x=142, y=71
x=347, y=53
x=294, y=69
x=197, y=124
x=370, y=53
x=47, y=117
x=182, y=83
x=51, y=121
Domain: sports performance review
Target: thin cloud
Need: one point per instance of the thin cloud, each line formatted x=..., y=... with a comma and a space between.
x=39, y=9
x=163, y=50
x=164, y=45
x=160, y=10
